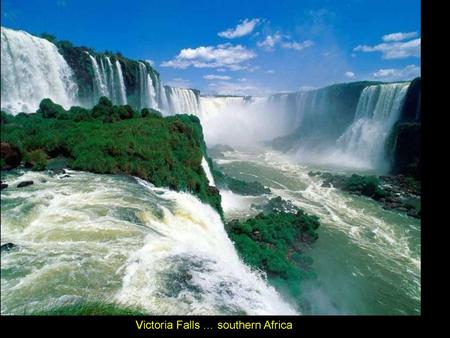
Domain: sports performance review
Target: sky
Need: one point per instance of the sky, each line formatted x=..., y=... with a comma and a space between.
x=240, y=47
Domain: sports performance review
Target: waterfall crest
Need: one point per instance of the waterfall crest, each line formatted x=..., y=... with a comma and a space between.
x=182, y=100
x=32, y=69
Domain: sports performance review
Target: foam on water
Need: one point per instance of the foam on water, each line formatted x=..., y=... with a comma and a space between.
x=121, y=239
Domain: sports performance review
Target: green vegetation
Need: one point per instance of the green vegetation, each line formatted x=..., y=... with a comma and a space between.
x=239, y=187
x=88, y=308
x=365, y=185
x=111, y=139
x=274, y=242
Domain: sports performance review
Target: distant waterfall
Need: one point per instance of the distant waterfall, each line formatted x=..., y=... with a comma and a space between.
x=108, y=80
x=33, y=69
x=378, y=109
x=344, y=125
x=183, y=101
x=147, y=92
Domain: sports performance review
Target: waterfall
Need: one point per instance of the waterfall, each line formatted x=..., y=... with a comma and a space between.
x=344, y=125
x=208, y=172
x=108, y=80
x=147, y=93
x=121, y=84
x=122, y=239
x=100, y=83
x=33, y=69
x=183, y=101
x=378, y=109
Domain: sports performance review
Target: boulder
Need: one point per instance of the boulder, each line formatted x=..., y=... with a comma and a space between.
x=10, y=155
x=7, y=247
x=24, y=184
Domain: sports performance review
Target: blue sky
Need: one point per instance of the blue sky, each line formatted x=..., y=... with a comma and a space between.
x=240, y=47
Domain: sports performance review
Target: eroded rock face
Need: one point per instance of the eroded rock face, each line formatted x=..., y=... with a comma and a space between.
x=10, y=155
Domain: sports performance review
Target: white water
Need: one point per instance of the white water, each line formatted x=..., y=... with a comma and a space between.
x=368, y=259
x=122, y=90
x=240, y=121
x=105, y=237
x=108, y=80
x=321, y=135
x=378, y=109
x=147, y=92
x=208, y=173
x=32, y=69
x=182, y=101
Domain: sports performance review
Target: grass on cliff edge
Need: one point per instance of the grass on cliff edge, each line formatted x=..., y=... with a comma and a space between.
x=111, y=139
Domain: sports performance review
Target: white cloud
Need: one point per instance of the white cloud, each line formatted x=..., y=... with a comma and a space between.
x=349, y=74
x=216, y=77
x=393, y=50
x=399, y=36
x=245, y=27
x=392, y=74
x=297, y=45
x=270, y=71
x=220, y=56
x=270, y=41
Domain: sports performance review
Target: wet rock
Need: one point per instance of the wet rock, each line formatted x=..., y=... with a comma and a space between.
x=326, y=184
x=65, y=176
x=4, y=186
x=24, y=184
x=7, y=247
x=11, y=155
x=58, y=171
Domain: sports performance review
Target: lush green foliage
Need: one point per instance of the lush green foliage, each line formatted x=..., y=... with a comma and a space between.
x=88, y=308
x=36, y=159
x=274, y=242
x=112, y=139
x=366, y=185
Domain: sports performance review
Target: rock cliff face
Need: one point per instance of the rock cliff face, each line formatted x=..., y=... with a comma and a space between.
x=404, y=143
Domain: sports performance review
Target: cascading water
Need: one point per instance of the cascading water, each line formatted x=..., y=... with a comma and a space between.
x=379, y=107
x=183, y=101
x=33, y=69
x=147, y=93
x=208, y=172
x=116, y=238
x=345, y=125
x=100, y=81
x=121, y=87
x=108, y=80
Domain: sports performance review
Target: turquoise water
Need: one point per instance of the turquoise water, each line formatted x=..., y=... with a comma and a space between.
x=367, y=259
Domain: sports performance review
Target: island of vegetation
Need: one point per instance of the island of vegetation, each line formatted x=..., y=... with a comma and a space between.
x=110, y=139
